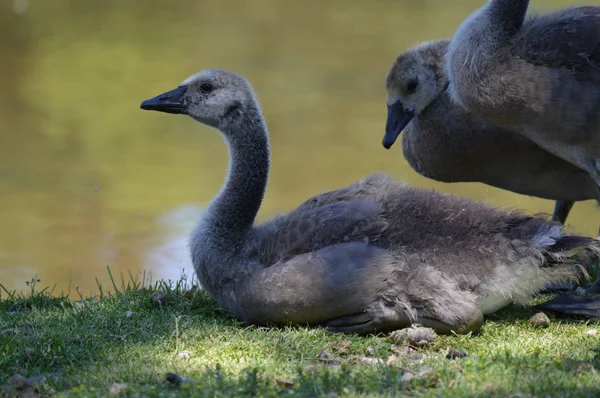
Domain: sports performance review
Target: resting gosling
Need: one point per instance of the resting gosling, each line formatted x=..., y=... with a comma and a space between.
x=374, y=256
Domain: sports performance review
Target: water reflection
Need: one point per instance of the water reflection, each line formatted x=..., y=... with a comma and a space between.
x=169, y=258
x=87, y=180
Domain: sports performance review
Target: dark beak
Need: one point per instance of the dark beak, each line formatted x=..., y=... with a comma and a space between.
x=169, y=102
x=398, y=118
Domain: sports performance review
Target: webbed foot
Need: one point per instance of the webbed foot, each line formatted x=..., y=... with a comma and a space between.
x=556, y=288
x=572, y=304
x=580, y=302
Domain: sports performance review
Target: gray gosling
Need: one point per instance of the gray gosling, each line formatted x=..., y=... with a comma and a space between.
x=539, y=77
x=447, y=143
x=374, y=256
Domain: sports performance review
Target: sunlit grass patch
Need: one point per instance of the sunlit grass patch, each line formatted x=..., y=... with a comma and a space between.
x=128, y=339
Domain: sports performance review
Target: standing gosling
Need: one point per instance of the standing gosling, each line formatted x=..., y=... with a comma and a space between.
x=447, y=143
x=539, y=77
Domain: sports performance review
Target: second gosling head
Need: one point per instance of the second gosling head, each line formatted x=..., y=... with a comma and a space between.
x=415, y=79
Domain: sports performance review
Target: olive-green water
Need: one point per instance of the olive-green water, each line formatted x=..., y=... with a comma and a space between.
x=89, y=180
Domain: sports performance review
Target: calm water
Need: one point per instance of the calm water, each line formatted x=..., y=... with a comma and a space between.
x=89, y=180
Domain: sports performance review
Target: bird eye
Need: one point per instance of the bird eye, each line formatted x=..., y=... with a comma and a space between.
x=412, y=85
x=206, y=87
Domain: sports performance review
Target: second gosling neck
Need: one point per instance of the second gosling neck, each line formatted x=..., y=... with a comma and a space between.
x=508, y=15
x=232, y=213
x=488, y=28
x=476, y=43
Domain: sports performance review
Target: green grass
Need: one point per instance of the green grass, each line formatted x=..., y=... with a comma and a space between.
x=132, y=336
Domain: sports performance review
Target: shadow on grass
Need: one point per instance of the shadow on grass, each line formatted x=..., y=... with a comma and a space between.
x=42, y=334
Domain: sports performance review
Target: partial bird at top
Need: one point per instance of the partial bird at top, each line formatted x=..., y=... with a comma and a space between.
x=538, y=76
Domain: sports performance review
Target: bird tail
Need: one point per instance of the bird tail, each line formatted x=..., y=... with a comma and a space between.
x=572, y=244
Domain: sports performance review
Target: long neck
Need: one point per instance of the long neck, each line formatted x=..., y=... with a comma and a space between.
x=477, y=40
x=233, y=211
x=508, y=15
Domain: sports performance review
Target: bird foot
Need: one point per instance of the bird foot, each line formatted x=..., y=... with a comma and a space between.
x=572, y=304
x=592, y=290
x=559, y=288
x=578, y=302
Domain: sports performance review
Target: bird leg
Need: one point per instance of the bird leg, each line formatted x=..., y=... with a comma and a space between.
x=562, y=208
x=593, y=168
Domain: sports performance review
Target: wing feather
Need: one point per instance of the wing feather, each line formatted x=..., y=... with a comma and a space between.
x=307, y=231
x=569, y=38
